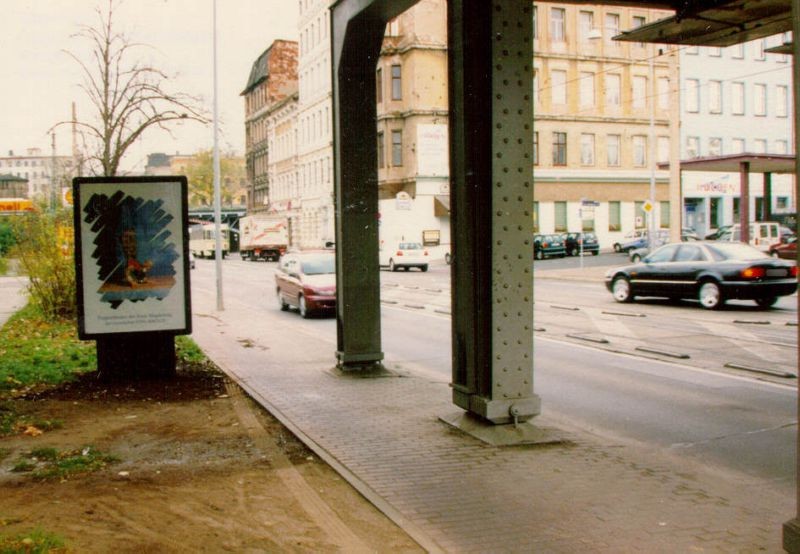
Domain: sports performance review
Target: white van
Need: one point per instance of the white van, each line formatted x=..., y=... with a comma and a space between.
x=763, y=234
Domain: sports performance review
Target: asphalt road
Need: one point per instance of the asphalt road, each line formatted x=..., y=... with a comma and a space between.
x=733, y=422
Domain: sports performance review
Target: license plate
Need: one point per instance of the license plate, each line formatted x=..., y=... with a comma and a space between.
x=777, y=273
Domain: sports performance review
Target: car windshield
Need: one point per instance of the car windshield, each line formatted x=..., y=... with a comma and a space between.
x=589, y=236
x=735, y=251
x=552, y=238
x=318, y=265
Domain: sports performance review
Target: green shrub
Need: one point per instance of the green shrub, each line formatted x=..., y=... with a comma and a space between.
x=7, y=239
x=47, y=260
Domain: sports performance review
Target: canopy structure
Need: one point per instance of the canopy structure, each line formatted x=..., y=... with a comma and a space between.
x=745, y=164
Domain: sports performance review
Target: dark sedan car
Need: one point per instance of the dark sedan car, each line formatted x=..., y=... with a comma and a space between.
x=711, y=272
x=547, y=246
x=307, y=281
x=574, y=243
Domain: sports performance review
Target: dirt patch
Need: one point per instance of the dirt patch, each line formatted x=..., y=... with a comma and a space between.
x=201, y=468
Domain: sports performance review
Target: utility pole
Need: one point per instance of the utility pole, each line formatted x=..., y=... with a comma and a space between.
x=53, y=177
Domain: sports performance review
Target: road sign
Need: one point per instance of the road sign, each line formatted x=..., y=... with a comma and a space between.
x=648, y=206
x=590, y=203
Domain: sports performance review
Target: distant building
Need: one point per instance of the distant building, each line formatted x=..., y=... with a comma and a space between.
x=164, y=164
x=37, y=170
x=273, y=78
x=13, y=187
x=734, y=100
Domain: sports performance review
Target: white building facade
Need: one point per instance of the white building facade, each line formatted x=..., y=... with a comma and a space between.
x=734, y=100
x=314, y=226
x=37, y=168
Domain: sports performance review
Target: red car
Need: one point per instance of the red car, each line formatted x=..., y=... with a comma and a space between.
x=307, y=281
x=786, y=250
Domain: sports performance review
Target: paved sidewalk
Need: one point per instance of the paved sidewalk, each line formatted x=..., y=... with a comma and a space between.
x=12, y=296
x=452, y=493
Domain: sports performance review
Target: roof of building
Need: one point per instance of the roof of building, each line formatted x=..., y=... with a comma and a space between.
x=260, y=70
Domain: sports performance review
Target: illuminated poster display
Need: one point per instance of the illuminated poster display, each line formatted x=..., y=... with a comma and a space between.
x=131, y=255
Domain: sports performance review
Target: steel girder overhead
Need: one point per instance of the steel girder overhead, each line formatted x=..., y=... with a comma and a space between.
x=490, y=55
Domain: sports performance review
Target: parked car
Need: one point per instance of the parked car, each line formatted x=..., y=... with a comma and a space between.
x=687, y=233
x=405, y=256
x=785, y=233
x=716, y=233
x=306, y=280
x=763, y=234
x=630, y=236
x=662, y=236
x=575, y=242
x=711, y=272
x=638, y=254
x=787, y=250
x=547, y=246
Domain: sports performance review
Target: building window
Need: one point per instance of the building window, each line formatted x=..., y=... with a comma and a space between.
x=535, y=86
x=614, y=216
x=587, y=149
x=760, y=99
x=782, y=203
x=397, y=148
x=781, y=101
x=692, y=95
x=639, y=214
x=560, y=217
x=559, y=148
x=663, y=93
x=612, y=150
x=585, y=25
x=611, y=25
x=761, y=46
x=381, y=160
x=714, y=146
x=535, y=22
x=613, y=88
x=638, y=21
x=587, y=89
x=639, y=91
x=692, y=50
x=714, y=213
x=379, y=85
x=715, y=96
x=559, y=86
x=663, y=149
x=737, y=98
x=760, y=146
x=639, y=151
x=781, y=147
x=664, y=215
x=397, y=83
x=715, y=51
x=536, y=148
x=536, y=217
x=738, y=51
x=737, y=145
x=692, y=147
x=557, y=25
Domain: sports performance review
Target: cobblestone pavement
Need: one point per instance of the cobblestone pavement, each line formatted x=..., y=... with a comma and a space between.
x=453, y=493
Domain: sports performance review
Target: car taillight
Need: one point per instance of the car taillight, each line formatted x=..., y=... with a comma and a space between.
x=545, y=245
x=399, y=253
x=754, y=273
x=424, y=252
x=793, y=271
x=580, y=241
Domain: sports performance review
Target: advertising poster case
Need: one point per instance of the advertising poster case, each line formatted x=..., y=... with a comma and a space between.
x=131, y=255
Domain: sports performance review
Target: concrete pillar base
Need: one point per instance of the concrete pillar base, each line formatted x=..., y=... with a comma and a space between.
x=500, y=435
x=791, y=536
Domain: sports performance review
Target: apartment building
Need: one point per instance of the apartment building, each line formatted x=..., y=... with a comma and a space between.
x=37, y=169
x=734, y=100
x=314, y=224
x=412, y=118
x=273, y=78
x=594, y=99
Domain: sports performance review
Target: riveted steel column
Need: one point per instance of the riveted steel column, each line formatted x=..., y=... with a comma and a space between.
x=357, y=33
x=491, y=145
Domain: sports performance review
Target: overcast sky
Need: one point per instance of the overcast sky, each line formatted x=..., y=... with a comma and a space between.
x=39, y=80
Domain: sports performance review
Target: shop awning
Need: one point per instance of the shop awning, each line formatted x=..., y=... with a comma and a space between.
x=759, y=163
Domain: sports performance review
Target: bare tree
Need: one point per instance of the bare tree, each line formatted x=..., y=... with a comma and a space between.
x=127, y=95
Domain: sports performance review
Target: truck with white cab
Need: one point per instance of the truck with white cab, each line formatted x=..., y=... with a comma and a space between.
x=263, y=237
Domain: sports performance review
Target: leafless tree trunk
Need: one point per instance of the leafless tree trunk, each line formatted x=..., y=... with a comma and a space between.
x=127, y=95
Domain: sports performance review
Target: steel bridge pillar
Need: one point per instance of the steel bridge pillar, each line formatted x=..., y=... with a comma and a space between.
x=490, y=58
x=357, y=34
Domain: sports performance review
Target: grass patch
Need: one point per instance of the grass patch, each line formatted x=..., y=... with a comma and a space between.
x=3, y=266
x=36, y=541
x=49, y=463
x=188, y=351
x=36, y=351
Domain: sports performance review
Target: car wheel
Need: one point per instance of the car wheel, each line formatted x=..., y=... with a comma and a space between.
x=621, y=289
x=392, y=267
x=281, y=302
x=617, y=248
x=539, y=255
x=574, y=252
x=595, y=252
x=767, y=302
x=302, y=308
x=448, y=258
x=424, y=267
x=636, y=258
x=710, y=295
